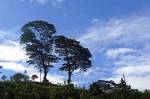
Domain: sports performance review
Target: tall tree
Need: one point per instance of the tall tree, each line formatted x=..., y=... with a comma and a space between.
x=74, y=55
x=38, y=41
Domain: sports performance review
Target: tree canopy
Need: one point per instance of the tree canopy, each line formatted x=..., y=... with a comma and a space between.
x=38, y=41
x=74, y=55
x=33, y=77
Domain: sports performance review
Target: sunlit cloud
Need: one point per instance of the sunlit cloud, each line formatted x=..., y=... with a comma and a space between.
x=13, y=66
x=12, y=53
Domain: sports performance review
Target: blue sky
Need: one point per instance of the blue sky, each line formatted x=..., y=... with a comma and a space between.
x=117, y=32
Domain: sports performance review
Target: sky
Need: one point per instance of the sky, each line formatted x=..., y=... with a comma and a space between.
x=117, y=33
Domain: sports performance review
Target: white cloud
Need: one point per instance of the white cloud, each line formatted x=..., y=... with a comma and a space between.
x=133, y=70
x=136, y=82
x=88, y=72
x=40, y=1
x=10, y=57
x=94, y=20
x=12, y=52
x=56, y=79
x=17, y=67
x=139, y=82
x=52, y=78
x=119, y=51
x=52, y=2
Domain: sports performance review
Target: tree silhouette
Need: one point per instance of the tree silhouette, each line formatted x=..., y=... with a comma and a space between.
x=0, y=68
x=74, y=55
x=4, y=77
x=18, y=77
x=33, y=77
x=38, y=41
x=123, y=88
x=102, y=86
x=123, y=84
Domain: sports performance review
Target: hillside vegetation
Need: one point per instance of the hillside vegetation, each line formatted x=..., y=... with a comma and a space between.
x=35, y=90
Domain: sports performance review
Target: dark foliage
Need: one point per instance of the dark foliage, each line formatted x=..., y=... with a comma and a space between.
x=38, y=41
x=33, y=77
x=102, y=86
x=19, y=77
x=30, y=90
x=0, y=68
x=74, y=55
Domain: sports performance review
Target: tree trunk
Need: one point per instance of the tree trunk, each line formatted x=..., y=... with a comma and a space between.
x=40, y=74
x=69, y=76
x=45, y=75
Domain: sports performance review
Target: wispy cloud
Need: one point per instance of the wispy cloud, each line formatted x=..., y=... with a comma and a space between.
x=134, y=29
x=113, y=53
x=125, y=43
x=95, y=20
x=52, y=2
